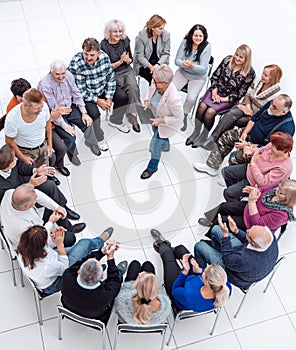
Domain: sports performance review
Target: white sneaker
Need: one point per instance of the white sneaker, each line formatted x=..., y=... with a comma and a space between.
x=204, y=168
x=103, y=145
x=121, y=127
x=220, y=180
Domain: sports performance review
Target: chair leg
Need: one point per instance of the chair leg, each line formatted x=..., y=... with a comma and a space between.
x=59, y=326
x=172, y=330
x=162, y=341
x=115, y=339
x=2, y=244
x=274, y=271
x=13, y=270
x=38, y=307
x=241, y=304
x=215, y=322
x=22, y=278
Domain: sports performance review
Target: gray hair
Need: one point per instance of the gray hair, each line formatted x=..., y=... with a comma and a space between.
x=163, y=73
x=114, y=24
x=91, y=272
x=22, y=196
x=57, y=65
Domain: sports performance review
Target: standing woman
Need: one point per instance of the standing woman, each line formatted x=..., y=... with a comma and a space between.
x=193, y=61
x=165, y=103
x=116, y=44
x=152, y=47
x=230, y=82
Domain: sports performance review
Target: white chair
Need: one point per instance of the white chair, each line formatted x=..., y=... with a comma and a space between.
x=246, y=291
x=185, y=314
x=130, y=328
x=38, y=295
x=97, y=324
x=5, y=244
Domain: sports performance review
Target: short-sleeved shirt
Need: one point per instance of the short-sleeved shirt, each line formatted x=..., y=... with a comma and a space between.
x=28, y=135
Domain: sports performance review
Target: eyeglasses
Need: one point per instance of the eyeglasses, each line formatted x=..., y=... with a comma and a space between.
x=280, y=192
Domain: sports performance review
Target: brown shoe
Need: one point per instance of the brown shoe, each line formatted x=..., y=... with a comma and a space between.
x=133, y=120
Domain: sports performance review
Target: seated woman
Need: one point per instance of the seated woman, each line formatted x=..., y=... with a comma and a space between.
x=259, y=93
x=140, y=300
x=45, y=265
x=116, y=44
x=193, y=61
x=270, y=206
x=192, y=288
x=269, y=165
x=229, y=83
x=152, y=47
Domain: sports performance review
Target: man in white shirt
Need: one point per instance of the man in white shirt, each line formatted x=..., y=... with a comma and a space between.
x=18, y=213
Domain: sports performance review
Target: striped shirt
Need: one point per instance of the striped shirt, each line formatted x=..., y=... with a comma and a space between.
x=93, y=80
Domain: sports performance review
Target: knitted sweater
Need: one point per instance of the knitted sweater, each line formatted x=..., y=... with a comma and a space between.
x=245, y=266
x=124, y=306
x=267, y=172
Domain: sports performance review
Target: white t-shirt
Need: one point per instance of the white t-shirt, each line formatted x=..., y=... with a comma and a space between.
x=28, y=135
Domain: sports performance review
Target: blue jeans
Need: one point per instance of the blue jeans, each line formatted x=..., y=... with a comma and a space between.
x=157, y=145
x=79, y=251
x=205, y=254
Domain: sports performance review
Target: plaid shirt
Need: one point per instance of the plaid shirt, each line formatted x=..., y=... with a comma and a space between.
x=93, y=81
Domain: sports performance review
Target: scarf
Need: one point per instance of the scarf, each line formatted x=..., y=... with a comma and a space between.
x=269, y=203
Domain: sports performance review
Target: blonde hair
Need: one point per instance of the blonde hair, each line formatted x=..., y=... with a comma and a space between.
x=290, y=187
x=147, y=289
x=247, y=65
x=154, y=22
x=217, y=278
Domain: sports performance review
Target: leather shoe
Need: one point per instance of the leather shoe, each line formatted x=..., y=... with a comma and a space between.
x=122, y=266
x=204, y=222
x=64, y=171
x=147, y=173
x=95, y=149
x=136, y=127
x=107, y=234
x=78, y=227
x=71, y=214
x=74, y=159
x=56, y=180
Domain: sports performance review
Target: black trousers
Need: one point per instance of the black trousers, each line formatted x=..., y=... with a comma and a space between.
x=60, y=149
x=171, y=269
x=135, y=268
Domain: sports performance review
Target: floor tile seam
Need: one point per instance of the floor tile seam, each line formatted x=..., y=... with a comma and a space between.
x=289, y=316
x=215, y=335
x=181, y=206
x=18, y=327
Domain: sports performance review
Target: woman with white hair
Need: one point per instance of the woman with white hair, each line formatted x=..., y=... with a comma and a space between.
x=140, y=300
x=166, y=105
x=116, y=44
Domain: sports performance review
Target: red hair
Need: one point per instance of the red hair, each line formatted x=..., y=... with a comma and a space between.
x=282, y=141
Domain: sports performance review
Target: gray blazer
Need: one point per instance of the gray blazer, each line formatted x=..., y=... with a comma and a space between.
x=143, y=49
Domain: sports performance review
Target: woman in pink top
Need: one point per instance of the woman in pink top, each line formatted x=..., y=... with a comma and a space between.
x=269, y=165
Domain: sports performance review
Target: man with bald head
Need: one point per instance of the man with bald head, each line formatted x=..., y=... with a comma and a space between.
x=247, y=257
x=18, y=213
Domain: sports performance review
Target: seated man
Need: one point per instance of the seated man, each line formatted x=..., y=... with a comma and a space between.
x=28, y=129
x=59, y=89
x=83, y=290
x=18, y=212
x=18, y=88
x=273, y=116
x=247, y=257
x=14, y=173
x=95, y=79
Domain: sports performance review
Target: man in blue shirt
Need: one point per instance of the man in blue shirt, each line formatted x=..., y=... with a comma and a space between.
x=272, y=117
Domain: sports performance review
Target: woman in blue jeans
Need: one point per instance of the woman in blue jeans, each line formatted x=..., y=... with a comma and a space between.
x=166, y=105
x=45, y=265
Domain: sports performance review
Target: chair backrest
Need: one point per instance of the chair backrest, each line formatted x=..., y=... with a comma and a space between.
x=89, y=322
x=131, y=328
x=185, y=314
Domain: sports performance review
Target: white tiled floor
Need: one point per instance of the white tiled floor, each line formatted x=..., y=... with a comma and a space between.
x=107, y=191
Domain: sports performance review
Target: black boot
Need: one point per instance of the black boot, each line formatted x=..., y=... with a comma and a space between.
x=184, y=127
x=201, y=138
x=195, y=133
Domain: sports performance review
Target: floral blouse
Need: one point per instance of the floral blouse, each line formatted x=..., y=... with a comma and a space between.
x=234, y=85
